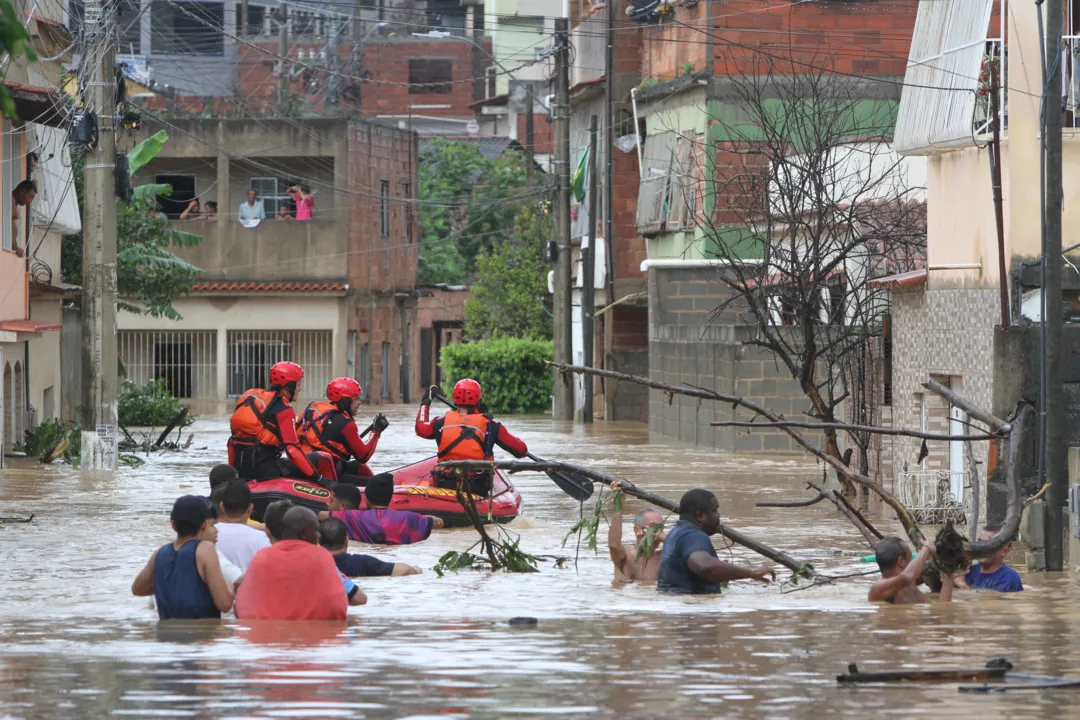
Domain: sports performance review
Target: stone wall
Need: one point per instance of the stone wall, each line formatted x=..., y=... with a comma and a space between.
x=690, y=343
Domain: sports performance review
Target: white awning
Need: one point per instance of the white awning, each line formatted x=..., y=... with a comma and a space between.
x=56, y=208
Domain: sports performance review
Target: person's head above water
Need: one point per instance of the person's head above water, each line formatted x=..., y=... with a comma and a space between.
x=301, y=524
x=222, y=474
x=644, y=520
x=699, y=507
x=379, y=490
x=892, y=554
x=346, y=497
x=274, y=518
x=333, y=535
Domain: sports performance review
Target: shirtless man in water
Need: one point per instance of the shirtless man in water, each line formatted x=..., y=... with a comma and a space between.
x=627, y=565
x=900, y=574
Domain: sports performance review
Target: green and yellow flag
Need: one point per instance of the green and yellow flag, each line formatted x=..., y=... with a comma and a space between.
x=577, y=180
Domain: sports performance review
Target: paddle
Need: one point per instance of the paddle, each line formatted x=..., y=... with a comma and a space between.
x=575, y=486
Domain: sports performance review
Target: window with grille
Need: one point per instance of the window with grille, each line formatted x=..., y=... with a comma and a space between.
x=252, y=353
x=274, y=194
x=430, y=75
x=187, y=27
x=384, y=208
x=186, y=360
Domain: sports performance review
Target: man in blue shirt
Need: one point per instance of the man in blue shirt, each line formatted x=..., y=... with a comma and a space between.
x=991, y=573
x=689, y=564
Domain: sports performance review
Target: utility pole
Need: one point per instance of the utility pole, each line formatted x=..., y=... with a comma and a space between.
x=588, y=283
x=283, y=54
x=609, y=199
x=98, y=414
x=530, y=136
x=1055, y=417
x=564, y=388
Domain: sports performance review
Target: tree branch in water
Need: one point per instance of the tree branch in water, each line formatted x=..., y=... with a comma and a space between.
x=628, y=488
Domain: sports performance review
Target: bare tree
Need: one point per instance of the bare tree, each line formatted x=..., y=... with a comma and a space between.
x=811, y=203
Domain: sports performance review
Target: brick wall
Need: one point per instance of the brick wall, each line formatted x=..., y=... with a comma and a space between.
x=688, y=345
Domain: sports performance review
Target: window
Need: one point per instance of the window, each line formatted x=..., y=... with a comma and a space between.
x=273, y=193
x=386, y=370
x=406, y=214
x=364, y=372
x=128, y=21
x=183, y=191
x=384, y=208
x=187, y=27
x=667, y=173
x=186, y=360
x=430, y=75
x=256, y=19
x=12, y=175
x=251, y=353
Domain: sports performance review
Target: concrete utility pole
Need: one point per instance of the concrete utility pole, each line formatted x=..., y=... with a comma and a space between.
x=1055, y=417
x=283, y=53
x=530, y=136
x=99, y=366
x=609, y=199
x=588, y=272
x=564, y=389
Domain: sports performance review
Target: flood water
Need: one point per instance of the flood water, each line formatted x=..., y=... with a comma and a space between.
x=75, y=643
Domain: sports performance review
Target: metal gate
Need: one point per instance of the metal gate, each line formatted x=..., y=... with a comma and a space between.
x=186, y=360
x=251, y=353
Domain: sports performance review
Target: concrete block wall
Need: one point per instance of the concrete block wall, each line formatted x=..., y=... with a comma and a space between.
x=691, y=344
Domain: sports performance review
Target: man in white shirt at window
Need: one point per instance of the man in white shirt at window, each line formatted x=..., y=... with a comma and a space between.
x=236, y=539
x=251, y=211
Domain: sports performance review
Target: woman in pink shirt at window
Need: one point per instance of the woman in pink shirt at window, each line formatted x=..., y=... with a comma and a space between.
x=304, y=202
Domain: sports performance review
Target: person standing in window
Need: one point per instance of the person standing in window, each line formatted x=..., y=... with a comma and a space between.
x=252, y=210
x=305, y=202
x=23, y=194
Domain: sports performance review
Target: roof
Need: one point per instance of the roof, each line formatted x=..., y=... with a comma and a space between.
x=65, y=289
x=784, y=279
x=29, y=326
x=489, y=147
x=34, y=103
x=900, y=280
x=61, y=31
x=275, y=286
x=493, y=101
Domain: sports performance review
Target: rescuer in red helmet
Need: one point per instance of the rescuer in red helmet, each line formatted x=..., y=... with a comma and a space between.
x=263, y=424
x=466, y=433
x=329, y=429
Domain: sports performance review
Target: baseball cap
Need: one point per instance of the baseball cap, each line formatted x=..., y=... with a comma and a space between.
x=194, y=509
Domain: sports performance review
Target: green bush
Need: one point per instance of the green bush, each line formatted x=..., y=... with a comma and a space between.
x=513, y=373
x=48, y=435
x=151, y=405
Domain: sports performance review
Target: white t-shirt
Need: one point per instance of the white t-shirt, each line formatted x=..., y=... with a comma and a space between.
x=239, y=543
x=230, y=571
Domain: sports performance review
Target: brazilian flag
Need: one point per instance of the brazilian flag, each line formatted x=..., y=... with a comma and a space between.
x=577, y=180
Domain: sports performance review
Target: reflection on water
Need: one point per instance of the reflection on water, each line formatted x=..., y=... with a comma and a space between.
x=74, y=642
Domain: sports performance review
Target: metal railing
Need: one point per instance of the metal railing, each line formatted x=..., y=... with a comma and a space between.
x=931, y=498
x=186, y=360
x=252, y=352
x=996, y=58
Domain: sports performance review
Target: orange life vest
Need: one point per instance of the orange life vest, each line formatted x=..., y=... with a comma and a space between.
x=250, y=423
x=312, y=429
x=465, y=437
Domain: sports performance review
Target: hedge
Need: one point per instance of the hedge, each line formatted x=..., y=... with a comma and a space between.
x=149, y=405
x=513, y=373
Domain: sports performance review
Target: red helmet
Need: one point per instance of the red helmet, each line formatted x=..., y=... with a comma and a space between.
x=283, y=373
x=467, y=392
x=342, y=388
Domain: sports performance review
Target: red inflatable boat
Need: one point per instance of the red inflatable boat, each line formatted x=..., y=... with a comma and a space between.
x=413, y=491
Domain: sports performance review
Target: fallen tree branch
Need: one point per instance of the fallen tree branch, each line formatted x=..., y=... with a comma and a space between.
x=1042, y=491
x=973, y=471
x=854, y=511
x=172, y=425
x=995, y=424
x=625, y=299
x=853, y=429
x=628, y=488
x=846, y=510
x=904, y=515
x=791, y=503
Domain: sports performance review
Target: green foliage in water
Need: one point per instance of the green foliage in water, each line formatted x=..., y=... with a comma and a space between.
x=454, y=561
x=151, y=405
x=513, y=373
x=48, y=435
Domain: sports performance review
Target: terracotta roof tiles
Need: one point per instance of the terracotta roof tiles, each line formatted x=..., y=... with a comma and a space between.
x=275, y=286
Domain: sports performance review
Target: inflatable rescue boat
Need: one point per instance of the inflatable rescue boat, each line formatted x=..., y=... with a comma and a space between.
x=413, y=490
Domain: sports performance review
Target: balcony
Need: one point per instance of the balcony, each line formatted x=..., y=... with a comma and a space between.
x=275, y=250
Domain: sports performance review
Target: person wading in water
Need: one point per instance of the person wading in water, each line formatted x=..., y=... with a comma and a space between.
x=900, y=574
x=632, y=563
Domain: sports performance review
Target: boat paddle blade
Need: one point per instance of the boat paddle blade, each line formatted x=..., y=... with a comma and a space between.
x=575, y=486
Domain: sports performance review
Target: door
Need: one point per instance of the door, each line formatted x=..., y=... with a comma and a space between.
x=957, y=418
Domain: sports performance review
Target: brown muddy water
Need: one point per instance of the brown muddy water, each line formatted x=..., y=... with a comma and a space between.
x=75, y=643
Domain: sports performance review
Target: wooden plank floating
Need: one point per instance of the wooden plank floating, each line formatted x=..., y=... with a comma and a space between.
x=853, y=675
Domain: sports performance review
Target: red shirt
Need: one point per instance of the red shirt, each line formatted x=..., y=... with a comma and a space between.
x=292, y=580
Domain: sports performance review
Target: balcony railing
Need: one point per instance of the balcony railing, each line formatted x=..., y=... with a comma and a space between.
x=993, y=65
x=1070, y=58
x=934, y=497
